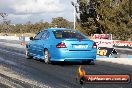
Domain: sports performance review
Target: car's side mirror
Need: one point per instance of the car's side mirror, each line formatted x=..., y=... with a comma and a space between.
x=31, y=38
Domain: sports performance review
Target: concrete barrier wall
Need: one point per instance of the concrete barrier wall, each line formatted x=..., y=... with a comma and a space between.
x=9, y=37
x=15, y=38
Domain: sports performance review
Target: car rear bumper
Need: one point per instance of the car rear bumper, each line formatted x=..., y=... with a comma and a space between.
x=74, y=59
x=66, y=55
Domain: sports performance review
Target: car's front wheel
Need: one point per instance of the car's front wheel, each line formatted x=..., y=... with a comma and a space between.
x=27, y=54
x=46, y=56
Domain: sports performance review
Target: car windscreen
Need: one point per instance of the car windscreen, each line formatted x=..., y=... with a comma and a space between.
x=68, y=34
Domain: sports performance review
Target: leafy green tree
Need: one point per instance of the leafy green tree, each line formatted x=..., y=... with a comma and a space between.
x=60, y=22
x=110, y=16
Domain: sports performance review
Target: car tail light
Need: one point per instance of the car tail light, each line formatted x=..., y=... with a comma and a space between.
x=61, y=45
x=94, y=45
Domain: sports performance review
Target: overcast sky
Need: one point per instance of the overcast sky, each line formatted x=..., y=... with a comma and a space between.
x=21, y=11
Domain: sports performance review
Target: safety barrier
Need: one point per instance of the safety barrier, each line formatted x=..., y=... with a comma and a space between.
x=111, y=43
x=9, y=37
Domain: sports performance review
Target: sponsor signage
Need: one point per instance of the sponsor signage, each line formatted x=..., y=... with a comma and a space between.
x=104, y=51
x=102, y=36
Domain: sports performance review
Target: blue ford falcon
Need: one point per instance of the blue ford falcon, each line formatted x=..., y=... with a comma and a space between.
x=61, y=44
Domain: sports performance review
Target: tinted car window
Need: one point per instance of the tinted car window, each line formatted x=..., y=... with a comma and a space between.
x=45, y=35
x=65, y=34
x=38, y=36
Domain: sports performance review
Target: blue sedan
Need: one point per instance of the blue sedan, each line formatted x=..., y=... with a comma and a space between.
x=61, y=44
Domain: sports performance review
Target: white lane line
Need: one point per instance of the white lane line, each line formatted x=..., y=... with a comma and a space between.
x=7, y=61
x=11, y=52
x=124, y=61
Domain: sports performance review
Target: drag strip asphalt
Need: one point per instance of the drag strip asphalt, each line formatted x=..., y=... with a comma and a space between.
x=44, y=75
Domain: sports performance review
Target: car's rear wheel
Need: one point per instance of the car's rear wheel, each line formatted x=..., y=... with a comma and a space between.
x=27, y=55
x=46, y=56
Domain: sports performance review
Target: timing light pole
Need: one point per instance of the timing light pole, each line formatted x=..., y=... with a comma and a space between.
x=74, y=14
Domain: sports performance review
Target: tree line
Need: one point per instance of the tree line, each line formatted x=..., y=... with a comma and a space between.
x=94, y=16
x=29, y=27
x=106, y=16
